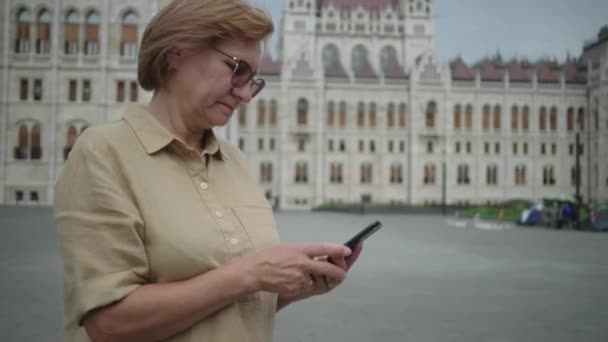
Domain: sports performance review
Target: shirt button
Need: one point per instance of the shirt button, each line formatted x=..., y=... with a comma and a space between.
x=234, y=242
x=219, y=214
x=204, y=186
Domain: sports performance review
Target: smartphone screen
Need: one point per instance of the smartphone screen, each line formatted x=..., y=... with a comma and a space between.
x=363, y=234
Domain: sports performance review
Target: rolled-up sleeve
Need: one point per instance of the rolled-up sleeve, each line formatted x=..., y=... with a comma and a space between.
x=100, y=229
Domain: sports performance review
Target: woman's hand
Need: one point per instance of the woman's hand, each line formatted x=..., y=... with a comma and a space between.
x=319, y=284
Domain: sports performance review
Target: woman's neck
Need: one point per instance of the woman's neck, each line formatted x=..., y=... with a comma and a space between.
x=171, y=117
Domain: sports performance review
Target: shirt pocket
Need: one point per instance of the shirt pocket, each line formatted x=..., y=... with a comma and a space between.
x=258, y=223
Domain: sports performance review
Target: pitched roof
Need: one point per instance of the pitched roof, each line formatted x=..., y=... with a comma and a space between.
x=366, y=4
x=365, y=71
x=490, y=71
x=335, y=70
x=575, y=73
x=461, y=71
x=270, y=66
x=547, y=73
x=394, y=70
x=518, y=73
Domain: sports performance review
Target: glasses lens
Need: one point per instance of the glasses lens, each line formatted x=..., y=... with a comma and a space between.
x=257, y=86
x=242, y=74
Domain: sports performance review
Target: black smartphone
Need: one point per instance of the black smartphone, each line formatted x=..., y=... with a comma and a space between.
x=360, y=236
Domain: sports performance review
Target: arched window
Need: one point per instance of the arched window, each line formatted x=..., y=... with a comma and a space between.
x=336, y=176
x=402, y=115
x=22, y=41
x=342, y=114
x=429, y=174
x=553, y=119
x=388, y=57
x=36, y=148
x=372, y=114
x=570, y=119
x=396, y=174
x=485, y=121
x=301, y=176
x=390, y=115
x=525, y=118
x=492, y=175
x=261, y=118
x=468, y=118
x=302, y=111
x=520, y=175
x=457, y=116
x=581, y=119
x=331, y=56
x=331, y=113
x=366, y=173
x=359, y=57
x=514, y=118
x=72, y=27
x=542, y=118
x=273, y=113
x=91, y=34
x=548, y=176
x=361, y=114
x=431, y=110
x=463, y=174
x=43, y=40
x=22, y=150
x=243, y=115
x=128, y=41
x=497, y=117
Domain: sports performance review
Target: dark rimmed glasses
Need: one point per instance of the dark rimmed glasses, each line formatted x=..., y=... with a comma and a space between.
x=242, y=73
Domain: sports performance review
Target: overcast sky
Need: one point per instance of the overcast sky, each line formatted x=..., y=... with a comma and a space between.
x=533, y=29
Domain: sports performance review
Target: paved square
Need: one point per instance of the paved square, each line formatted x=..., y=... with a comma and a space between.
x=418, y=280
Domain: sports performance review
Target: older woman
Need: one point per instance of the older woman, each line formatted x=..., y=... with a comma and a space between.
x=163, y=232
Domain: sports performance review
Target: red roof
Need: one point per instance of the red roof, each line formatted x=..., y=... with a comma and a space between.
x=394, y=70
x=574, y=73
x=335, y=70
x=269, y=66
x=490, y=72
x=547, y=73
x=518, y=73
x=365, y=71
x=366, y=4
x=460, y=71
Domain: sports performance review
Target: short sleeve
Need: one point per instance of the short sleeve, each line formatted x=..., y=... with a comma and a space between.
x=100, y=230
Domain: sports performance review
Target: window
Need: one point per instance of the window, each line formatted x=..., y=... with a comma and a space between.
x=390, y=146
x=335, y=173
x=72, y=27
x=581, y=119
x=91, y=34
x=301, y=145
x=457, y=147
x=28, y=142
x=553, y=149
x=261, y=118
x=497, y=148
x=260, y=144
x=38, y=89
x=301, y=174
x=70, y=140
x=570, y=119
x=485, y=123
x=548, y=176
x=271, y=144
x=331, y=112
x=72, y=90
x=469, y=148
x=18, y=196
x=330, y=145
x=486, y=148
x=33, y=196
x=401, y=146
x=525, y=148
x=342, y=114
x=553, y=119
x=515, y=149
x=128, y=41
x=402, y=115
x=525, y=118
x=36, y=148
x=302, y=111
x=241, y=144
x=243, y=115
x=372, y=146
x=120, y=91
x=342, y=146
x=23, y=89
x=468, y=119
x=429, y=147
x=366, y=173
x=266, y=172
x=429, y=174
x=396, y=174
x=372, y=114
x=571, y=149
x=361, y=145
x=361, y=114
x=457, y=115
x=542, y=118
x=514, y=118
x=520, y=175
x=22, y=41
x=497, y=117
x=543, y=149
x=431, y=109
x=463, y=175
x=273, y=113
x=86, y=91
x=133, y=92
x=390, y=115
x=492, y=175
x=43, y=40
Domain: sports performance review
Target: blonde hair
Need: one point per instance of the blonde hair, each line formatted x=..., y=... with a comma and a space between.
x=192, y=25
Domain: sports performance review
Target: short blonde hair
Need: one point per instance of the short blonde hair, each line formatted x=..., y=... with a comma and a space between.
x=192, y=25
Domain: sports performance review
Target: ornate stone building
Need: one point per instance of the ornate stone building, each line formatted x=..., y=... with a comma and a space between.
x=357, y=106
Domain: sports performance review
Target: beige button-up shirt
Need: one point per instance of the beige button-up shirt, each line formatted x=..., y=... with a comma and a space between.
x=135, y=206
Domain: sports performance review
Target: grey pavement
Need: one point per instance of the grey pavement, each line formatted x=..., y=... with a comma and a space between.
x=419, y=279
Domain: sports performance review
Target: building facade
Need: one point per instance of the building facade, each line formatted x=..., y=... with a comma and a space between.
x=357, y=107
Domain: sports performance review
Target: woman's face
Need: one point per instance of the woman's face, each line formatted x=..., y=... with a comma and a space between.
x=201, y=86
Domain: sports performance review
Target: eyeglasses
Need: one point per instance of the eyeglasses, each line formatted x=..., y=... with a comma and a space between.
x=242, y=73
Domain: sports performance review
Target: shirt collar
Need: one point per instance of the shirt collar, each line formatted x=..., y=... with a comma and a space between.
x=154, y=137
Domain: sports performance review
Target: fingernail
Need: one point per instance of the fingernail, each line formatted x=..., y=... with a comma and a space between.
x=347, y=251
